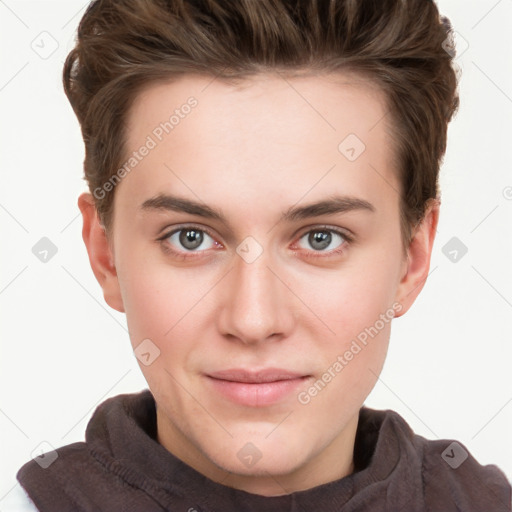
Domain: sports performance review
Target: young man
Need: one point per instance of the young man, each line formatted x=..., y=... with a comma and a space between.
x=263, y=202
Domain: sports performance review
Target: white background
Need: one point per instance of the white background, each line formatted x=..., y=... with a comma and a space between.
x=64, y=351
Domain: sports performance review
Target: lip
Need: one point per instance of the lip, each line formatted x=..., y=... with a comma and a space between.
x=256, y=388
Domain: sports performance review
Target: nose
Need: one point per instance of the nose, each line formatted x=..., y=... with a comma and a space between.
x=256, y=303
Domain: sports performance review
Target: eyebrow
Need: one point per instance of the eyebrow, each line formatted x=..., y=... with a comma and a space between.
x=329, y=206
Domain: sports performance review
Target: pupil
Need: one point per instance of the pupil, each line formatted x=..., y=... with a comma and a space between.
x=191, y=239
x=320, y=239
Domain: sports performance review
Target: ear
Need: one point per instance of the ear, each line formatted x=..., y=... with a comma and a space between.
x=100, y=253
x=417, y=261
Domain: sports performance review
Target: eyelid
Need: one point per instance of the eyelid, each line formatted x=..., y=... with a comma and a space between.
x=178, y=227
x=344, y=232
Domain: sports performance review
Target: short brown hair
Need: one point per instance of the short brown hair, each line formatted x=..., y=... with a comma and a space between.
x=125, y=45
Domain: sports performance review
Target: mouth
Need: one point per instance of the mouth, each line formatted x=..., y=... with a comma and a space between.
x=256, y=388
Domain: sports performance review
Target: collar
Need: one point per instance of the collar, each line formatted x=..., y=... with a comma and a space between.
x=122, y=436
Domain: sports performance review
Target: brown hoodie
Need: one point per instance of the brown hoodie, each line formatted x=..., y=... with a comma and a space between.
x=121, y=467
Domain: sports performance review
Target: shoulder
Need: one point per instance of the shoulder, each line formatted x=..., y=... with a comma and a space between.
x=450, y=473
x=80, y=479
x=450, y=469
x=96, y=474
x=49, y=479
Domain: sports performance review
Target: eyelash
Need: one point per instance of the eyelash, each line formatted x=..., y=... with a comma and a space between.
x=186, y=255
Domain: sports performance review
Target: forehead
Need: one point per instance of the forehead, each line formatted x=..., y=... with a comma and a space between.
x=285, y=134
x=328, y=105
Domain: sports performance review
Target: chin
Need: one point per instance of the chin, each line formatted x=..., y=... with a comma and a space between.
x=258, y=457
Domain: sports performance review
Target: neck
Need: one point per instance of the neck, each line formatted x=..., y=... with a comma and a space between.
x=333, y=462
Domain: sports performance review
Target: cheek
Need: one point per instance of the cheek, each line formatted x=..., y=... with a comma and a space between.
x=352, y=299
x=159, y=309
x=359, y=309
x=358, y=305
x=362, y=324
x=144, y=307
x=165, y=304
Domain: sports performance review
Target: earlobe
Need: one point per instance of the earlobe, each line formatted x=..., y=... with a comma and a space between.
x=419, y=252
x=100, y=253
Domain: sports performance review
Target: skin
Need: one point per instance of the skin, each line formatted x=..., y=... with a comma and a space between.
x=253, y=151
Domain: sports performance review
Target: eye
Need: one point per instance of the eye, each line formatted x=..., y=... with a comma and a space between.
x=323, y=240
x=189, y=239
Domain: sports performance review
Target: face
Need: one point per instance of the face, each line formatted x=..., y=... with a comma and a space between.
x=257, y=253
